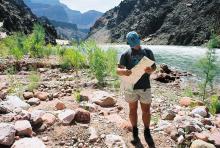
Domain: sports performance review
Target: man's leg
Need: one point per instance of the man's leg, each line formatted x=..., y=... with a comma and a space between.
x=146, y=116
x=133, y=119
x=133, y=113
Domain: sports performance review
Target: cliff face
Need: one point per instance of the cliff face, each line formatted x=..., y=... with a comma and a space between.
x=179, y=22
x=17, y=17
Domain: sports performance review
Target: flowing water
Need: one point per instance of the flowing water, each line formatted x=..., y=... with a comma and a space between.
x=182, y=58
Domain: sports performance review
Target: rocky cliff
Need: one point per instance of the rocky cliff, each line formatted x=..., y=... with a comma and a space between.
x=17, y=17
x=179, y=22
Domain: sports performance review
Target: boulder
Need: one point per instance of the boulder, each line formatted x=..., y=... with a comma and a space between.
x=202, y=136
x=172, y=131
x=201, y=110
x=67, y=116
x=36, y=117
x=7, y=134
x=91, y=107
x=3, y=94
x=41, y=95
x=33, y=101
x=49, y=119
x=60, y=105
x=4, y=110
x=82, y=116
x=13, y=102
x=29, y=143
x=104, y=99
x=217, y=121
x=23, y=115
x=201, y=144
x=169, y=115
x=93, y=134
x=215, y=137
x=28, y=95
x=186, y=101
x=23, y=128
x=112, y=140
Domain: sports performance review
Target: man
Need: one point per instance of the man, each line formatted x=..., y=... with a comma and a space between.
x=141, y=90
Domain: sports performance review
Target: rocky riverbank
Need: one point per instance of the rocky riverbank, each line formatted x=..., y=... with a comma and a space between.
x=69, y=110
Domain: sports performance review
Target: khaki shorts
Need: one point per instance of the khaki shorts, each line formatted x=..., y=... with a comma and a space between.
x=138, y=94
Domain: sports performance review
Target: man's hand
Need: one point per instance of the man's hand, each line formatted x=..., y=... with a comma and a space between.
x=148, y=70
x=127, y=72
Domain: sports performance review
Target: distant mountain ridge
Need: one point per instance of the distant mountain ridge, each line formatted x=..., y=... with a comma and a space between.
x=54, y=10
x=17, y=17
x=178, y=22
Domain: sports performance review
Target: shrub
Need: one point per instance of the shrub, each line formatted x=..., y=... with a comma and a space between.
x=33, y=79
x=214, y=105
x=111, y=57
x=208, y=65
x=36, y=41
x=14, y=45
x=47, y=50
x=72, y=57
x=102, y=63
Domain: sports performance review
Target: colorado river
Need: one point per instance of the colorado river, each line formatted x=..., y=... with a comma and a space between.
x=183, y=58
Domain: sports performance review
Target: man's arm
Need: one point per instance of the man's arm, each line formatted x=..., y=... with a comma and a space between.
x=151, y=69
x=122, y=71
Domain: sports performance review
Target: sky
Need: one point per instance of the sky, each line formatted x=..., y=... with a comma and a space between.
x=85, y=5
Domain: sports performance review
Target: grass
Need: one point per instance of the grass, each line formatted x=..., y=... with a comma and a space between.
x=33, y=81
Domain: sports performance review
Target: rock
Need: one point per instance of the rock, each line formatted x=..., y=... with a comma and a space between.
x=13, y=102
x=82, y=116
x=67, y=116
x=4, y=110
x=202, y=136
x=33, y=101
x=201, y=144
x=3, y=94
x=88, y=106
x=93, y=134
x=41, y=95
x=172, y=131
x=85, y=95
x=28, y=95
x=169, y=115
x=36, y=117
x=23, y=128
x=180, y=139
x=217, y=121
x=7, y=134
x=186, y=101
x=202, y=111
x=29, y=143
x=112, y=140
x=60, y=105
x=23, y=115
x=49, y=119
x=215, y=137
x=3, y=85
x=104, y=99
x=45, y=139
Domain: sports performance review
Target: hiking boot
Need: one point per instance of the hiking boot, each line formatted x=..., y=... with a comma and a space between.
x=149, y=138
x=135, y=136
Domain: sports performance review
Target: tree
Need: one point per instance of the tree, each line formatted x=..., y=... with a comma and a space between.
x=208, y=65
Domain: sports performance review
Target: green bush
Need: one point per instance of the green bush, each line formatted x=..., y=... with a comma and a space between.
x=36, y=41
x=14, y=45
x=33, y=81
x=102, y=63
x=72, y=57
x=214, y=105
x=209, y=67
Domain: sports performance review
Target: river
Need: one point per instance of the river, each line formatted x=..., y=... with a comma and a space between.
x=182, y=58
